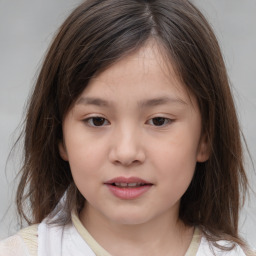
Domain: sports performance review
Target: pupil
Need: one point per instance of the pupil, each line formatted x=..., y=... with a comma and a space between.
x=98, y=121
x=158, y=121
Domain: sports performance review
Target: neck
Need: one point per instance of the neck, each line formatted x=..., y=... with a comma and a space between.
x=162, y=236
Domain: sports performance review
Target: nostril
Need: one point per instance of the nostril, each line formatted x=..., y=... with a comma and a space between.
x=127, y=163
x=127, y=152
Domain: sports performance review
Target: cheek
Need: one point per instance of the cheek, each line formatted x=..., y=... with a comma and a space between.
x=85, y=158
x=175, y=175
x=176, y=159
x=179, y=149
x=177, y=168
x=81, y=146
x=85, y=165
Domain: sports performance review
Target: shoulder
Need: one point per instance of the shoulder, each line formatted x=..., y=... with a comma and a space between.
x=24, y=243
x=13, y=246
x=207, y=248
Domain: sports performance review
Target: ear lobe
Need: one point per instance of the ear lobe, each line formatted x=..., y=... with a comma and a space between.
x=63, y=151
x=203, y=153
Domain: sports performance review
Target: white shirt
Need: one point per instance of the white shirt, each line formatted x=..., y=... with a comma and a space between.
x=74, y=240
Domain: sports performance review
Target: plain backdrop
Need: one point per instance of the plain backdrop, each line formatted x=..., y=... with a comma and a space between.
x=26, y=29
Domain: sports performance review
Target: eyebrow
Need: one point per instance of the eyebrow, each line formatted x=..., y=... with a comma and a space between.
x=93, y=101
x=161, y=101
x=142, y=104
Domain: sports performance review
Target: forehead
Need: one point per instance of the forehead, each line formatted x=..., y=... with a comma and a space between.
x=148, y=61
x=148, y=72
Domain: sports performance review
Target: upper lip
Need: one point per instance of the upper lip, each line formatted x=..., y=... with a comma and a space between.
x=127, y=180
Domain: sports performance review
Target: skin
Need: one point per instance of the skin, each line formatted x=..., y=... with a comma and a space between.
x=131, y=141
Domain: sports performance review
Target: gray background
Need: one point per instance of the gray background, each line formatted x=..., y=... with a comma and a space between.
x=26, y=29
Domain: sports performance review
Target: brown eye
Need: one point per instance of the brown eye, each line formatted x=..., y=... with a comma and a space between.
x=96, y=121
x=159, y=121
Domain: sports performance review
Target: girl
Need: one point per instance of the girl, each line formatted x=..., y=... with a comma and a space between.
x=132, y=144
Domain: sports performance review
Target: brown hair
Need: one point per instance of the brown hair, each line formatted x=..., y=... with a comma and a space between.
x=99, y=33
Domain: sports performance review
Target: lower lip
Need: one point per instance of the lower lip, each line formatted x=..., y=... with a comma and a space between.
x=128, y=193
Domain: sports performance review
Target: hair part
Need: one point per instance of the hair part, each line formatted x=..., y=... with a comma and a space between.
x=91, y=40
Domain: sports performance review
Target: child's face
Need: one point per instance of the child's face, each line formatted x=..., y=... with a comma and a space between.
x=133, y=124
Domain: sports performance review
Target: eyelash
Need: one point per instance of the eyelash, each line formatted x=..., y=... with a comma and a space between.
x=167, y=121
x=90, y=121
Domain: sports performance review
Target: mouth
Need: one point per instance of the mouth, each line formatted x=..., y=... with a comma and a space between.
x=128, y=188
x=128, y=185
x=131, y=182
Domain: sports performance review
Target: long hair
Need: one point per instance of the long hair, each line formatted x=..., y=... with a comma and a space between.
x=96, y=35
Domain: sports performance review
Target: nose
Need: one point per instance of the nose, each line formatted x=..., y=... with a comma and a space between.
x=127, y=147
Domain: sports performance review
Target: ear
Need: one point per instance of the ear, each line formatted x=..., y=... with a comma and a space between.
x=203, y=152
x=63, y=151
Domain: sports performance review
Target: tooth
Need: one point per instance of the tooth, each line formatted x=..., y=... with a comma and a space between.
x=133, y=184
x=125, y=185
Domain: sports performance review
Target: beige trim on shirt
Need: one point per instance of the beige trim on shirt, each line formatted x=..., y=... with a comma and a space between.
x=97, y=249
x=195, y=242
x=30, y=238
x=100, y=251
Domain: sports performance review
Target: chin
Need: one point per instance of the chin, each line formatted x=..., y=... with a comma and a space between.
x=130, y=218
